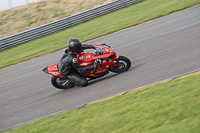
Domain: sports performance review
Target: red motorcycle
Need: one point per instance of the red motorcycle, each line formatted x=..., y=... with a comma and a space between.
x=110, y=61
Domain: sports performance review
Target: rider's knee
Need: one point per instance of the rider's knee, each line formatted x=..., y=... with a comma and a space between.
x=84, y=83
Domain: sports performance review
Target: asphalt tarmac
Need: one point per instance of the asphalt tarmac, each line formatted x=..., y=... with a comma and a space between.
x=158, y=49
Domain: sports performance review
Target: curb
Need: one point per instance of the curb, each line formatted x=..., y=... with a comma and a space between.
x=143, y=87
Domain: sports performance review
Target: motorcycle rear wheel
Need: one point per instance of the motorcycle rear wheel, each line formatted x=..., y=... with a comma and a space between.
x=123, y=64
x=61, y=83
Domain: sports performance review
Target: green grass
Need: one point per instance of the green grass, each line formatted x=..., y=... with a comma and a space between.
x=172, y=107
x=127, y=17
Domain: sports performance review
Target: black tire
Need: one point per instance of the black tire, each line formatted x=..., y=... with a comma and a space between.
x=58, y=82
x=123, y=65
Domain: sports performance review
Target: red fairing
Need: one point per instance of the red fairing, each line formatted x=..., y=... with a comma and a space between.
x=107, y=52
x=53, y=70
x=86, y=59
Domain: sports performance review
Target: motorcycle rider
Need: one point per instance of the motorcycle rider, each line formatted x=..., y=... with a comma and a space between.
x=69, y=67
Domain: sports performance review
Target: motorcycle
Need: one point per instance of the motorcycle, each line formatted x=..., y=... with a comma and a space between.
x=110, y=61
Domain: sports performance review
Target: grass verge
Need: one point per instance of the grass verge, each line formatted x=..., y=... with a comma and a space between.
x=127, y=17
x=163, y=107
x=35, y=14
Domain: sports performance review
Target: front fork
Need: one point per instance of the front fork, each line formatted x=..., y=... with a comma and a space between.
x=114, y=62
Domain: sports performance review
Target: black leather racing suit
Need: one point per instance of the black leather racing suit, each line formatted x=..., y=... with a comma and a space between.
x=69, y=67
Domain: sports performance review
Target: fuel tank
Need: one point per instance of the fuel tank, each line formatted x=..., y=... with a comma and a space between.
x=85, y=59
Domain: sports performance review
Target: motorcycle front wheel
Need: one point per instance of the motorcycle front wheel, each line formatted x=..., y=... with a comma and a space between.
x=61, y=83
x=123, y=64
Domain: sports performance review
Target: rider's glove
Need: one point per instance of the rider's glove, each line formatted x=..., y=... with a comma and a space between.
x=86, y=46
x=93, y=47
x=106, y=45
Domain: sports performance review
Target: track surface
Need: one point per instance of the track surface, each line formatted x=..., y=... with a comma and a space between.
x=158, y=49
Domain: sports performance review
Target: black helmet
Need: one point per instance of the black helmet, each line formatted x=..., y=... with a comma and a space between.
x=74, y=45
